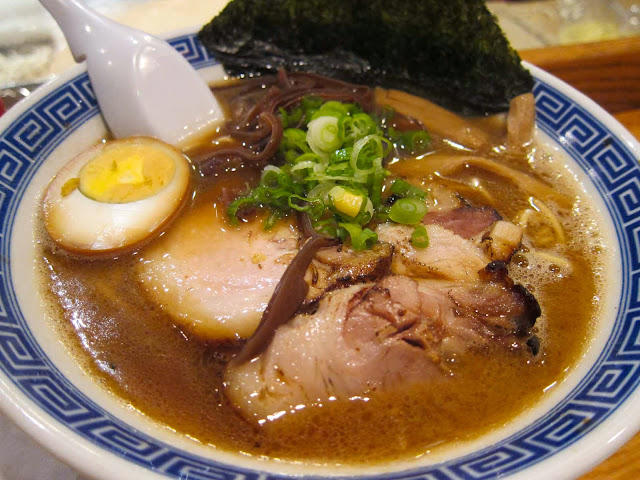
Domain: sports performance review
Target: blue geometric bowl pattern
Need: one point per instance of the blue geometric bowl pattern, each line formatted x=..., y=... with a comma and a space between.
x=610, y=165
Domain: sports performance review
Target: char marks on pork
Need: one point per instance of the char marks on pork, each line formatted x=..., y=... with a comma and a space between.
x=378, y=336
x=341, y=266
x=448, y=256
x=393, y=315
x=462, y=241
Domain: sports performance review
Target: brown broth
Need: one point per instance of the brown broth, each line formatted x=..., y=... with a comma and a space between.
x=134, y=349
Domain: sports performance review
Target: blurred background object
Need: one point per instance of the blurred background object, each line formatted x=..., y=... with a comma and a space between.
x=33, y=49
x=27, y=41
x=30, y=39
x=629, y=16
x=584, y=21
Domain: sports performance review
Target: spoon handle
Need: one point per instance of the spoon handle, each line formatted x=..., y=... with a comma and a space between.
x=78, y=23
x=142, y=84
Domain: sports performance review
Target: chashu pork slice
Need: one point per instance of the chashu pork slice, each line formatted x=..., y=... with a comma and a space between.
x=462, y=241
x=214, y=279
x=448, y=256
x=465, y=221
x=378, y=336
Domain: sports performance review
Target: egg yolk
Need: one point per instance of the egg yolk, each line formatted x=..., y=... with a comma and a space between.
x=124, y=173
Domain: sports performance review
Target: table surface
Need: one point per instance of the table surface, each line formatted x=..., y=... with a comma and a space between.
x=607, y=72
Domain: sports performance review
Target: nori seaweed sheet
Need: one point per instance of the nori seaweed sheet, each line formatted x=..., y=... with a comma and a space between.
x=450, y=51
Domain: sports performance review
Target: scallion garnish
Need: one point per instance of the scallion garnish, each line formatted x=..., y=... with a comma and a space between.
x=414, y=142
x=403, y=189
x=409, y=211
x=331, y=167
x=419, y=237
x=361, y=239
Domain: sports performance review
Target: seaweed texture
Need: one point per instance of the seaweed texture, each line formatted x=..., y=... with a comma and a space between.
x=450, y=51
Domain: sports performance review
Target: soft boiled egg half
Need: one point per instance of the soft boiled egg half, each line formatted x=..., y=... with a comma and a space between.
x=116, y=195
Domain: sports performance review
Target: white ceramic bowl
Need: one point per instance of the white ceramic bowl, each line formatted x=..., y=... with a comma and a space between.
x=42, y=388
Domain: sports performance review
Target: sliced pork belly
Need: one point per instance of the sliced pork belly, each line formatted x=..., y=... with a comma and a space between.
x=216, y=280
x=378, y=336
x=503, y=240
x=341, y=266
x=462, y=241
x=448, y=256
x=465, y=221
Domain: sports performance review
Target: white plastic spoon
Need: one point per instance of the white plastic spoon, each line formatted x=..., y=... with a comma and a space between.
x=143, y=85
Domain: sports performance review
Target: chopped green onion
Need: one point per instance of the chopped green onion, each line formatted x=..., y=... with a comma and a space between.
x=419, y=237
x=357, y=126
x=412, y=142
x=302, y=204
x=302, y=113
x=365, y=153
x=341, y=156
x=295, y=139
x=361, y=239
x=334, y=109
x=405, y=189
x=415, y=142
x=330, y=165
x=323, y=135
x=237, y=205
x=271, y=220
x=377, y=181
x=409, y=211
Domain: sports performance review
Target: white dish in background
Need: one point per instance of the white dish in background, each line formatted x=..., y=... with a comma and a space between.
x=43, y=389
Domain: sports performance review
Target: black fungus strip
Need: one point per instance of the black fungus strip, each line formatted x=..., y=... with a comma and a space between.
x=288, y=296
x=259, y=130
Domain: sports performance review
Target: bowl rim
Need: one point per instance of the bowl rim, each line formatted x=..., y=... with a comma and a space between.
x=560, y=107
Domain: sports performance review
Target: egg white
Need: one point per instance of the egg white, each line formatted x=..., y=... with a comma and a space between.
x=83, y=225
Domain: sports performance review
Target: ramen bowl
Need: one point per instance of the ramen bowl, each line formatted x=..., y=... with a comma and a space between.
x=591, y=413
